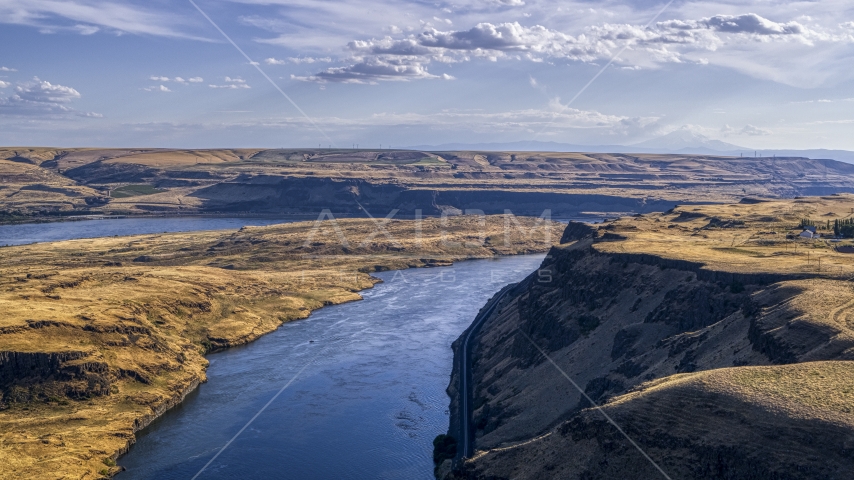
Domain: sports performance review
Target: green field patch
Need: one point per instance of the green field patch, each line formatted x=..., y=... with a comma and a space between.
x=134, y=191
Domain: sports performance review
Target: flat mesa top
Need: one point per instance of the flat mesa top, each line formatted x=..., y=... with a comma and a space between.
x=750, y=237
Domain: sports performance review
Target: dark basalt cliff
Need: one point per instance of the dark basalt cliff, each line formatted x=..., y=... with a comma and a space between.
x=271, y=194
x=687, y=359
x=24, y=375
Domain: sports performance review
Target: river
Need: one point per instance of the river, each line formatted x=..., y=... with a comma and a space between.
x=367, y=405
x=369, y=396
x=26, y=233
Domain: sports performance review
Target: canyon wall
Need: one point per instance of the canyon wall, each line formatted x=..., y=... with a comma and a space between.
x=686, y=358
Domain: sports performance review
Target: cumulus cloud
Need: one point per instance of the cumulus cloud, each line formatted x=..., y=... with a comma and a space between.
x=232, y=84
x=748, y=129
x=39, y=97
x=7, y=69
x=181, y=80
x=372, y=70
x=4, y=84
x=751, y=23
x=754, y=131
x=157, y=88
x=662, y=42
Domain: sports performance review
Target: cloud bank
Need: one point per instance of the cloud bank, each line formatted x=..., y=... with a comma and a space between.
x=672, y=41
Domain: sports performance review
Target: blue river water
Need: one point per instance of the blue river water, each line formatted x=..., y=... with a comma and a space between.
x=366, y=395
x=22, y=234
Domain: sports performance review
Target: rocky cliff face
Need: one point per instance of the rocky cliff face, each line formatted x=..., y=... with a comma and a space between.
x=686, y=358
x=286, y=194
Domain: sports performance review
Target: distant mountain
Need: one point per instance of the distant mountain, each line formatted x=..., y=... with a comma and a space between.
x=684, y=139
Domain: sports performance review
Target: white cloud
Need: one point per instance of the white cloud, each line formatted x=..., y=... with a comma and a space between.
x=748, y=129
x=754, y=131
x=232, y=84
x=157, y=88
x=751, y=23
x=4, y=84
x=372, y=70
x=671, y=41
x=41, y=98
x=7, y=69
x=181, y=80
x=297, y=60
x=91, y=16
x=87, y=29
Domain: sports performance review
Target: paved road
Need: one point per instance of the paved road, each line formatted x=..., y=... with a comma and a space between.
x=466, y=432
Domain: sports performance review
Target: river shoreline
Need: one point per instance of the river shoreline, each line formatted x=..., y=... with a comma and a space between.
x=255, y=358
x=138, y=313
x=182, y=394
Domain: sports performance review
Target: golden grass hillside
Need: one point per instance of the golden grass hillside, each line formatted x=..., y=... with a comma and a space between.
x=99, y=337
x=742, y=237
x=716, y=336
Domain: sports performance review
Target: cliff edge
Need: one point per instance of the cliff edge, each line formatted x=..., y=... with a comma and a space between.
x=717, y=342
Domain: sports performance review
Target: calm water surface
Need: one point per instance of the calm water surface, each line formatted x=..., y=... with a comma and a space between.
x=55, y=231
x=368, y=404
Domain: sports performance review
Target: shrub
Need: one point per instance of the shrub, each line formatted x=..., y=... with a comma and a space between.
x=587, y=323
x=444, y=448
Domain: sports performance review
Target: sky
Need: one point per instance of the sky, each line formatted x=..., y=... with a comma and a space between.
x=306, y=73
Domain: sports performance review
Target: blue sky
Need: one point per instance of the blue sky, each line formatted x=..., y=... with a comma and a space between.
x=763, y=74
